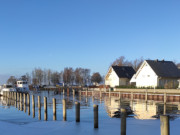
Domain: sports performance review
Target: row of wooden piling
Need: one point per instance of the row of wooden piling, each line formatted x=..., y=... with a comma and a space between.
x=18, y=97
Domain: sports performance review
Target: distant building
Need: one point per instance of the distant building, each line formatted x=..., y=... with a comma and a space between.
x=119, y=75
x=155, y=73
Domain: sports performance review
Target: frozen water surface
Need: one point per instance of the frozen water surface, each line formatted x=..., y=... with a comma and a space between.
x=142, y=117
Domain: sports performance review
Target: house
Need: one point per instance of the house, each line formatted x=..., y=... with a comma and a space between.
x=155, y=73
x=119, y=75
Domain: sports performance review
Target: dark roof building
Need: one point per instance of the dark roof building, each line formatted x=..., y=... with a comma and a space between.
x=166, y=69
x=124, y=71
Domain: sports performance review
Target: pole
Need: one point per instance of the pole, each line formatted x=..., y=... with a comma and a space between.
x=165, y=130
x=123, y=121
x=77, y=112
x=95, y=116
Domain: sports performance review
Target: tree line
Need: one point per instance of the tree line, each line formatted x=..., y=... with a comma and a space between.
x=69, y=76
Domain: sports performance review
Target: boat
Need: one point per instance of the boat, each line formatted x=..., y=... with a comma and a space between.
x=22, y=86
x=7, y=87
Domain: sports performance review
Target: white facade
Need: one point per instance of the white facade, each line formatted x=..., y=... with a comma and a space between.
x=113, y=80
x=146, y=77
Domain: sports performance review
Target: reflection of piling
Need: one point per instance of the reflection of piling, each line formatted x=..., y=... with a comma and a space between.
x=63, y=91
x=24, y=102
x=123, y=121
x=21, y=107
x=95, y=116
x=77, y=112
x=164, y=125
x=164, y=109
x=54, y=109
x=64, y=109
x=33, y=106
x=45, y=108
x=74, y=93
x=67, y=91
x=39, y=107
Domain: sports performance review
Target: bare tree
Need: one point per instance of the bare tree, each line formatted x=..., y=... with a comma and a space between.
x=96, y=78
x=121, y=61
x=137, y=63
x=68, y=75
x=55, y=77
x=12, y=80
x=49, y=72
x=38, y=75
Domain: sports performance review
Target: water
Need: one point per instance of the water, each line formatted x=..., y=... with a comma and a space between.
x=143, y=117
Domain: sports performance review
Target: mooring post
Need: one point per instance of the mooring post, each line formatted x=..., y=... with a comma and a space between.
x=165, y=129
x=39, y=107
x=45, y=108
x=119, y=95
x=95, y=116
x=54, y=109
x=18, y=96
x=24, y=102
x=21, y=107
x=109, y=92
x=64, y=109
x=131, y=95
x=146, y=96
x=33, y=106
x=77, y=111
x=86, y=92
x=165, y=97
x=123, y=121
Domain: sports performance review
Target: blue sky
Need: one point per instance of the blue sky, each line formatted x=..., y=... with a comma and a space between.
x=85, y=33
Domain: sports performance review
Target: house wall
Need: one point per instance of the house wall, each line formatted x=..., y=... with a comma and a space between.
x=146, y=77
x=169, y=81
x=112, y=80
x=123, y=81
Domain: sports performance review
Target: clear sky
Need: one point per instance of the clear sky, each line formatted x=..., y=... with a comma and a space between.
x=85, y=33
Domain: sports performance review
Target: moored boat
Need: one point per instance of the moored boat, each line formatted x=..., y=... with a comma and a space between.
x=7, y=87
x=22, y=86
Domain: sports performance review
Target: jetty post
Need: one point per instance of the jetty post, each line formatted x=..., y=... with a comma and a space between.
x=45, y=108
x=64, y=110
x=54, y=109
x=77, y=111
x=123, y=121
x=95, y=116
x=165, y=129
x=33, y=106
x=21, y=107
x=39, y=107
x=24, y=95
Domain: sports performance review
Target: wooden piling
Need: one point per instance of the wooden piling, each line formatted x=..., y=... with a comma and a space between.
x=45, y=108
x=165, y=129
x=18, y=96
x=21, y=107
x=54, y=109
x=77, y=111
x=33, y=106
x=64, y=109
x=39, y=107
x=123, y=121
x=95, y=116
x=24, y=95
x=165, y=97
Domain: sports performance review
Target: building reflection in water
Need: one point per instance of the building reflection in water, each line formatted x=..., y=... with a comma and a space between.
x=141, y=109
